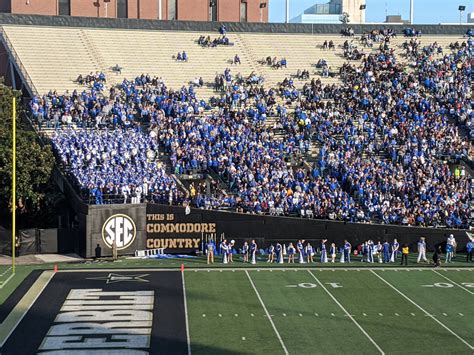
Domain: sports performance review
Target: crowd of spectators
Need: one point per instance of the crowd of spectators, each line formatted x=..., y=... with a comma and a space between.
x=384, y=139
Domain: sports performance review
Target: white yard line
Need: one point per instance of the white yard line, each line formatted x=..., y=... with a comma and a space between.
x=6, y=281
x=188, y=339
x=455, y=283
x=268, y=314
x=347, y=313
x=420, y=308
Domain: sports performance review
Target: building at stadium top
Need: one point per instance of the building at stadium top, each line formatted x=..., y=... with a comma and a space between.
x=332, y=11
x=186, y=10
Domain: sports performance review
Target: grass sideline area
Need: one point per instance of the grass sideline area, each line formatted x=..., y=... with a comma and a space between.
x=199, y=262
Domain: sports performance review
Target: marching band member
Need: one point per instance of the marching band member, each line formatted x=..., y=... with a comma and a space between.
x=395, y=250
x=332, y=252
x=309, y=252
x=224, y=249
x=324, y=254
x=422, y=250
x=300, y=249
x=253, y=252
x=271, y=254
x=279, y=253
x=347, y=252
x=245, y=252
x=210, y=252
x=291, y=253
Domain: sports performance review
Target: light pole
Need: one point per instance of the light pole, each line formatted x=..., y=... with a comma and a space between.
x=461, y=9
x=287, y=11
x=262, y=6
x=411, y=11
x=362, y=9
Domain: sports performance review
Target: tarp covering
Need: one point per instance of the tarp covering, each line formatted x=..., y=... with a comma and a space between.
x=94, y=22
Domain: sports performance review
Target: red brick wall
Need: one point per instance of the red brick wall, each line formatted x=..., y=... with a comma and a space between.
x=228, y=10
x=36, y=7
x=193, y=10
x=253, y=10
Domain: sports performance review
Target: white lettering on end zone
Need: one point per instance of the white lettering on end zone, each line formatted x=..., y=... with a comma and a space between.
x=95, y=319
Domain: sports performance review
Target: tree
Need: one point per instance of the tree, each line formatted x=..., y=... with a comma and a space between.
x=34, y=166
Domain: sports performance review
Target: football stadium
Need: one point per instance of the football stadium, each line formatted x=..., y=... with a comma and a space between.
x=236, y=177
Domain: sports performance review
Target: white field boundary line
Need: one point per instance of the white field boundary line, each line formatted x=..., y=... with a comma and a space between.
x=188, y=338
x=3, y=273
x=3, y=283
x=420, y=308
x=455, y=283
x=347, y=313
x=268, y=314
x=29, y=306
x=302, y=268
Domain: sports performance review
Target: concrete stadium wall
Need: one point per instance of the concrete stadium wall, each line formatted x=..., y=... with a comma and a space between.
x=35, y=20
x=168, y=226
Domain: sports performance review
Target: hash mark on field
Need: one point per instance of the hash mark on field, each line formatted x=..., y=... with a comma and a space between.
x=236, y=315
x=243, y=338
x=364, y=314
x=220, y=315
x=332, y=314
x=252, y=315
x=413, y=314
x=203, y=315
x=462, y=315
x=317, y=315
x=284, y=314
x=444, y=314
x=301, y=315
x=397, y=314
x=380, y=314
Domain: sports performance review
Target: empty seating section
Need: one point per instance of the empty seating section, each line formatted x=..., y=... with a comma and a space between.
x=55, y=56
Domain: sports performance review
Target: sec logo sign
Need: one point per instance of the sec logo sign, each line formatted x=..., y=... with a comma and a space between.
x=120, y=228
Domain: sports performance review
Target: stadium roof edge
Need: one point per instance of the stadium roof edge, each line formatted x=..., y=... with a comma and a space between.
x=94, y=22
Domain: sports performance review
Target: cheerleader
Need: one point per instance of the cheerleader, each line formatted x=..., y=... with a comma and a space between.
x=230, y=248
x=309, y=253
x=332, y=252
x=395, y=251
x=291, y=253
x=370, y=251
x=245, y=252
x=379, y=252
x=253, y=252
x=300, y=250
x=210, y=252
x=279, y=253
x=271, y=254
x=324, y=254
x=224, y=249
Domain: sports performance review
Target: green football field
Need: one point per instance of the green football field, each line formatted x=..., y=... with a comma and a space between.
x=352, y=308
x=330, y=311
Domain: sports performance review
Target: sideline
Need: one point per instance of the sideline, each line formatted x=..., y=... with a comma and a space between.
x=188, y=338
x=427, y=314
x=268, y=314
x=347, y=313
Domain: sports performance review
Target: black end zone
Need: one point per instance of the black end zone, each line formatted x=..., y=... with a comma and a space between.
x=111, y=323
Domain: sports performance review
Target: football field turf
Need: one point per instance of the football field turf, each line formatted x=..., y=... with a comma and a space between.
x=242, y=310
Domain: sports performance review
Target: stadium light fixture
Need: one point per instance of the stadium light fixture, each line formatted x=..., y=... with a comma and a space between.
x=363, y=7
x=262, y=6
x=461, y=9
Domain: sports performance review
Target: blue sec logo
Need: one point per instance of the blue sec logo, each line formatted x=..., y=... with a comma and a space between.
x=120, y=228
